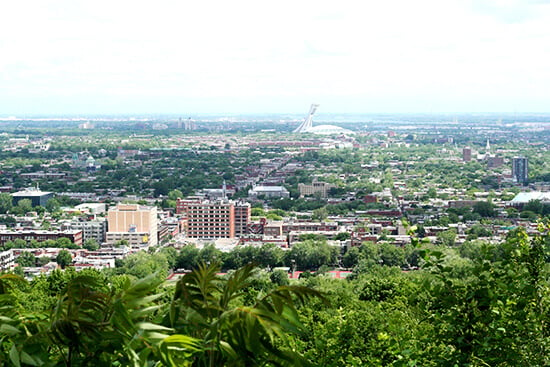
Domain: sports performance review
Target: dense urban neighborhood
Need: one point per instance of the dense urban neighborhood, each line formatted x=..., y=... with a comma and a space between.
x=398, y=218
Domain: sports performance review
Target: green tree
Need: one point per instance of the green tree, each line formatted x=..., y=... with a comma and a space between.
x=175, y=194
x=484, y=209
x=171, y=255
x=342, y=236
x=447, y=238
x=320, y=214
x=6, y=203
x=477, y=230
x=310, y=255
x=16, y=243
x=46, y=225
x=64, y=258
x=270, y=255
x=391, y=255
x=481, y=315
x=188, y=258
x=26, y=259
x=64, y=242
x=141, y=265
x=512, y=212
x=210, y=254
x=279, y=277
x=257, y=212
x=351, y=257
x=52, y=205
x=90, y=244
x=24, y=205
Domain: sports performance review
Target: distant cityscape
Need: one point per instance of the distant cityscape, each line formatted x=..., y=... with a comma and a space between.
x=132, y=184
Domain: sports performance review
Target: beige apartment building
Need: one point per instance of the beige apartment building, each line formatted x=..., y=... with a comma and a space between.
x=134, y=223
x=316, y=188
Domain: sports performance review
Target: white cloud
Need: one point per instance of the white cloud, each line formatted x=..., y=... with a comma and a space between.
x=269, y=53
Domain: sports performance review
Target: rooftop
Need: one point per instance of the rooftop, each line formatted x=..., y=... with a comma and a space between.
x=269, y=188
x=525, y=197
x=31, y=192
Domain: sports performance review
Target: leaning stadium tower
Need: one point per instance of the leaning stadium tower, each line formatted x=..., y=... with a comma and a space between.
x=308, y=122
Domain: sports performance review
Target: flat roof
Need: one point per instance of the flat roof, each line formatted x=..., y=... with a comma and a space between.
x=90, y=205
x=525, y=197
x=31, y=193
x=269, y=188
x=40, y=231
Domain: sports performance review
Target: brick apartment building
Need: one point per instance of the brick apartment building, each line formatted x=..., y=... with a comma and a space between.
x=214, y=218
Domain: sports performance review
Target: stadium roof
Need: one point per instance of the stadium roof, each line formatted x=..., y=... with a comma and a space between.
x=328, y=130
x=525, y=197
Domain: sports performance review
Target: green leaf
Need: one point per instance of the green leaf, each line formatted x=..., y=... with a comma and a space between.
x=151, y=326
x=14, y=356
x=9, y=329
x=27, y=359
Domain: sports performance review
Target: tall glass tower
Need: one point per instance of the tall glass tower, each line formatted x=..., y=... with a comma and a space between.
x=520, y=169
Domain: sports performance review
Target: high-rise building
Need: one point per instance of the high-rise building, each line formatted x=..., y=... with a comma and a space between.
x=520, y=169
x=190, y=124
x=467, y=154
x=242, y=218
x=134, y=223
x=214, y=218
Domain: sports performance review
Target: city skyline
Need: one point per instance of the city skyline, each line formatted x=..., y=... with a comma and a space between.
x=80, y=57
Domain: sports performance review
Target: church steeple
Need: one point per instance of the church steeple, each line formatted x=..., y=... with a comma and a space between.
x=487, y=147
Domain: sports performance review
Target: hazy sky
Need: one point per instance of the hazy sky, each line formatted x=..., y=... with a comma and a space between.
x=234, y=56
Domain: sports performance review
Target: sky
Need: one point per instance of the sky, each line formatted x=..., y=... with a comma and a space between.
x=361, y=56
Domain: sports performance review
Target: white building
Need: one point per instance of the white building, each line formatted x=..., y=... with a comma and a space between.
x=91, y=208
x=7, y=260
x=269, y=192
x=94, y=229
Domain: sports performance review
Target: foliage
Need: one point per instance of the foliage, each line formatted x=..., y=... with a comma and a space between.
x=497, y=314
x=188, y=257
x=204, y=307
x=319, y=214
x=484, y=209
x=89, y=325
x=23, y=206
x=142, y=264
x=279, y=277
x=52, y=205
x=64, y=258
x=447, y=237
x=5, y=203
x=96, y=322
x=266, y=255
x=310, y=254
x=90, y=244
x=26, y=258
